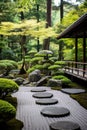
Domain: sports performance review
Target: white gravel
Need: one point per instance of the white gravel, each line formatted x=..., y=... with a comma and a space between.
x=29, y=112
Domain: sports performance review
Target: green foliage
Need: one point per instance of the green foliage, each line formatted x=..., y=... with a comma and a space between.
x=46, y=65
x=54, y=67
x=65, y=80
x=35, y=60
x=37, y=66
x=10, y=62
x=60, y=62
x=7, y=86
x=44, y=53
x=7, y=65
x=7, y=111
x=32, y=53
x=30, y=70
x=2, y=66
x=7, y=53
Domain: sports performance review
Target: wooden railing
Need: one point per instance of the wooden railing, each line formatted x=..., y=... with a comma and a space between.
x=76, y=68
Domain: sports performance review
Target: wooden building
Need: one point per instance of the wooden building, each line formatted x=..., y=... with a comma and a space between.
x=77, y=30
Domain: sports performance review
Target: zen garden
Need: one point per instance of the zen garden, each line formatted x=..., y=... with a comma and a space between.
x=43, y=64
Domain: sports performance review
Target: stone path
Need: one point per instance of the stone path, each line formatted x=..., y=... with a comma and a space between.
x=29, y=112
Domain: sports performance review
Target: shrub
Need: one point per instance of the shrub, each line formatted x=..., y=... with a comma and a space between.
x=65, y=80
x=54, y=67
x=13, y=63
x=7, y=65
x=7, y=111
x=60, y=62
x=35, y=60
x=46, y=65
x=2, y=67
x=7, y=86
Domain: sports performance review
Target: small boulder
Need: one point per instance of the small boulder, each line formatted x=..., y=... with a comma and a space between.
x=43, y=81
x=35, y=76
x=54, y=83
x=19, y=80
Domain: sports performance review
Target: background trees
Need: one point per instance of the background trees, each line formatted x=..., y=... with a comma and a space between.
x=14, y=11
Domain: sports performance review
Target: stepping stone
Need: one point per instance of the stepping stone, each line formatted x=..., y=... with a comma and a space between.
x=46, y=101
x=72, y=90
x=42, y=95
x=64, y=125
x=38, y=90
x=55, y=111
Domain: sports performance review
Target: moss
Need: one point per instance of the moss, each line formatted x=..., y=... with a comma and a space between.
x=7, y=111
x=14, y=124
x=81, y=98
x=65, y=81
x=7, y=86
x=56, y=88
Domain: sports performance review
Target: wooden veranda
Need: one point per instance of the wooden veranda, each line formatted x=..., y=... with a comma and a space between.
x=77, y=30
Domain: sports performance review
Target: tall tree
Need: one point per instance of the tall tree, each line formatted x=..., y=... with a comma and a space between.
x=46, y=43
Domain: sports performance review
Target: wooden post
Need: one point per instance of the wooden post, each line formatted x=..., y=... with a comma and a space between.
x=84, y=54
x=76, y=51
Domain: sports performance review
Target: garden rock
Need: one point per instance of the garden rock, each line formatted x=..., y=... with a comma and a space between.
x=19, y=80
x=43, y=81
x=8, y=76
x=54, y=82
x=34, y=76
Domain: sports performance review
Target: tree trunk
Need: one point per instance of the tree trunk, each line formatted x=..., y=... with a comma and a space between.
x=46, y=42
x=23, y=50
x=61, y=11
x=61, y=42
x=38, y=42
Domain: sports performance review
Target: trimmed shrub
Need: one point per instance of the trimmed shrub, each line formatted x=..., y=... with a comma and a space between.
x=13, y=63
x=46, y=65
x=35, y=60
x=7, y=86
x=54, y=67
x=2, y=67
x=7, y=65
x=65, y=80
x=60, y=62
x=7, y=111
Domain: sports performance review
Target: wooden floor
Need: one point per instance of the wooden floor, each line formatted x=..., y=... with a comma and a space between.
x=29, y=112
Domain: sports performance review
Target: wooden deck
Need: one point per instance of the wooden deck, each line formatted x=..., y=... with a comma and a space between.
x=29, y=112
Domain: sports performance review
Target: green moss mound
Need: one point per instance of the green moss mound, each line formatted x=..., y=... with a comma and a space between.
x=7, y=111
x=7, y=86
x=14, y=124
x=81, y=98
x=65, y=80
